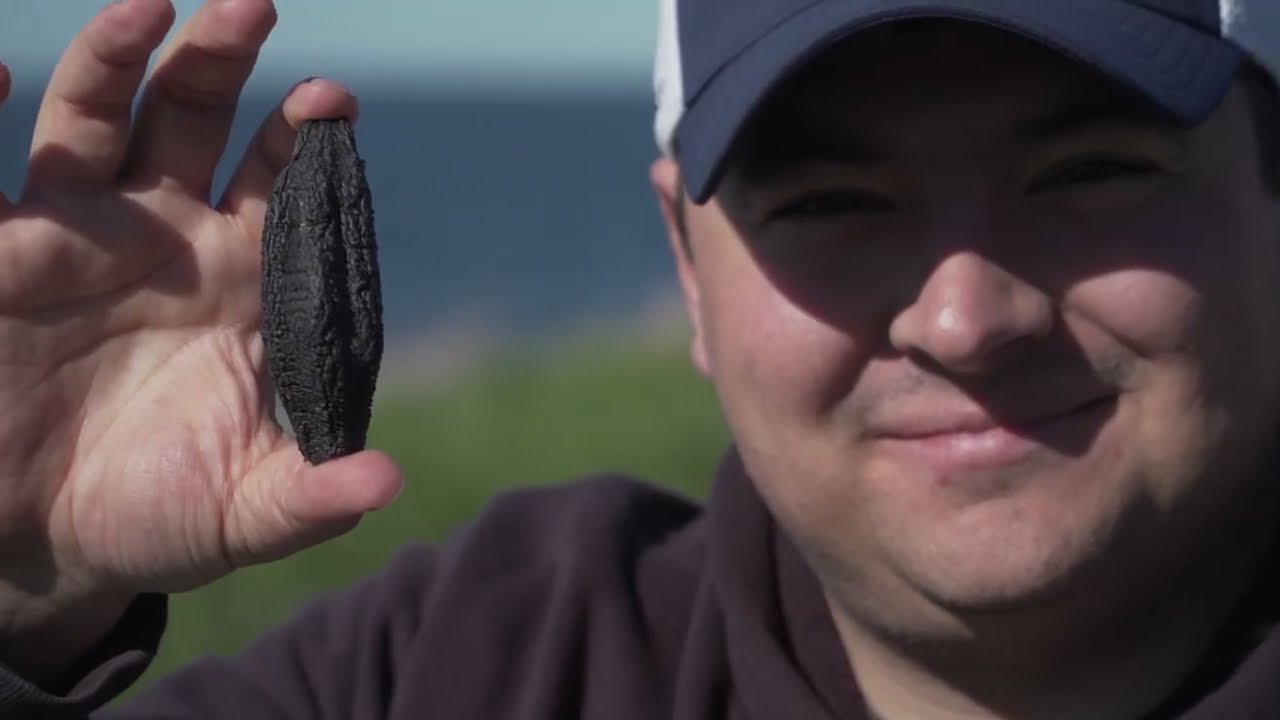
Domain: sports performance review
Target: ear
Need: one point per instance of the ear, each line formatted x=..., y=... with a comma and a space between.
x=665, y=177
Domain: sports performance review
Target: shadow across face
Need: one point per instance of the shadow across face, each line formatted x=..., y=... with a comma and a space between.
x=994, y=225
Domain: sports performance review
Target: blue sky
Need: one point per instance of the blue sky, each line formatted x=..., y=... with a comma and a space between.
x=522, y=43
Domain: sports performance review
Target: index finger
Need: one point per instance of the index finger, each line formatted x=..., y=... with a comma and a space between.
x=6, y=82
x=82, y=129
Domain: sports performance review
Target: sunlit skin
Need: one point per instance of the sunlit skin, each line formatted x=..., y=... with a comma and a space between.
x=1000, y=353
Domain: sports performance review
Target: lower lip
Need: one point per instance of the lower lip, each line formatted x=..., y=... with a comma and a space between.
x=950, y=453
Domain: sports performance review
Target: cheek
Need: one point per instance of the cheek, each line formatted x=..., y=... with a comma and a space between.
x=1206, y=247
x=1189, y=282
x=1153, y=313
x=1192, y=298
x=783, y=375
x=775, y=362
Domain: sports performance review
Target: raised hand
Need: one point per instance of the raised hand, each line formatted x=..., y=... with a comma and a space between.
x=138, y=447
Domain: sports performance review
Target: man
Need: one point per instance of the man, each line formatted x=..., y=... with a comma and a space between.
x=986, y=288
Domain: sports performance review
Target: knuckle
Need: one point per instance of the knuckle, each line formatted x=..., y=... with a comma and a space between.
x=202, y=79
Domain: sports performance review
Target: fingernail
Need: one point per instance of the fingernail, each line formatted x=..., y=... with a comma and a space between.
x=324, y=83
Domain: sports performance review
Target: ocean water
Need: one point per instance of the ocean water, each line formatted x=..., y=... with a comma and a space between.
x=528, y=214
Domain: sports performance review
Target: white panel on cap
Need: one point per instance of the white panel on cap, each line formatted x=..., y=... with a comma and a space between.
x=668, y=75
x=1229, y=10
x=1255, y=26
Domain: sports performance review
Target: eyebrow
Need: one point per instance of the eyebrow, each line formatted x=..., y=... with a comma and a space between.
x=1098, y=112
x=782, y=144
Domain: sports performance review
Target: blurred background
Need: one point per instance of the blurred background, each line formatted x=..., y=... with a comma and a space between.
x=534, y=332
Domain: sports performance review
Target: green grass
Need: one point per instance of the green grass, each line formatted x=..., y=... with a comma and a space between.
x=518, y=421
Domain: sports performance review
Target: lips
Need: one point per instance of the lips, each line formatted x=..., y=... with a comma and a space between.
x=926, y=418
x=958, y=437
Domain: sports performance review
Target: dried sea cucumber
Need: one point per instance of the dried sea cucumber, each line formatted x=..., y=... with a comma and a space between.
x=322, y=293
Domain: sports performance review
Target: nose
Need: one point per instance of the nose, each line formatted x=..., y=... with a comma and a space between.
x=969, y=312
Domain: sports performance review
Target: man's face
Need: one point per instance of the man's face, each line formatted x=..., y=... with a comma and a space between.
x=987, y=336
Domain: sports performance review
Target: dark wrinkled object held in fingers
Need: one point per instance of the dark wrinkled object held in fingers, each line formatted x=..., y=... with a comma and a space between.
x=321, y=292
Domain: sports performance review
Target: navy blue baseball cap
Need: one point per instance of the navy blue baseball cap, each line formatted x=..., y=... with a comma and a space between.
x=717, y=60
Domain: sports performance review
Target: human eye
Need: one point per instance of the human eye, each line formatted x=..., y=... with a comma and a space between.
x=829, y=204
x=1091, y=170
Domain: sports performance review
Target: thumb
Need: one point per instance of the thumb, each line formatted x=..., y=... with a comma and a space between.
x=289, y=505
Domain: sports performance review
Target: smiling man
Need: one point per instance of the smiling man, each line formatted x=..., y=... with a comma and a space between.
x=985, y=288
x=993, y=332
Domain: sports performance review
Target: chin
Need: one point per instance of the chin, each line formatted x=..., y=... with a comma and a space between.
x=1014, y=553
x=996, y=588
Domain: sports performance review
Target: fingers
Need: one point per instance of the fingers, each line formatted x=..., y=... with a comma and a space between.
x=190, y=101
x=250, y=187
x=82, y=128
x=6, y=82
x=288, y=505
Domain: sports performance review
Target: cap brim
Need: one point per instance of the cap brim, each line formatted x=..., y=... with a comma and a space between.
x=1185, y=70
